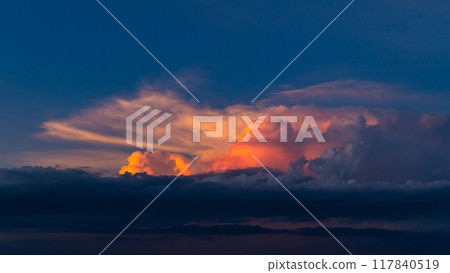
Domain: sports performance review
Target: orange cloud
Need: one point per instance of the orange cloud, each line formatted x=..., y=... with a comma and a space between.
x=156, y=163
x=105, y=124
x=272, y=153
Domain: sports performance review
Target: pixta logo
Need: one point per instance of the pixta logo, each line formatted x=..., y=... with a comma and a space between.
x=146, y=117
x=253, y=127
x=152, y=118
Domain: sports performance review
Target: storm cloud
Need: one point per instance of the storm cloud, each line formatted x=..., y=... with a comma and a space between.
x=62, y=208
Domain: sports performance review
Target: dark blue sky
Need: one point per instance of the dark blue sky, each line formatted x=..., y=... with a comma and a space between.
x=58, y=57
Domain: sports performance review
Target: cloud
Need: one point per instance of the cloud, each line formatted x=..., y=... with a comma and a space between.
x=342, y=164
x=245, y=194
x=104, y=124
x=97, y=159
x=393, y=145
x=361, y=93
x=57, y=208
x=156, y=163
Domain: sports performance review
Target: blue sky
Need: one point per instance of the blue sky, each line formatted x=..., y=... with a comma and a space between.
x=59, y=57
x=74, y=52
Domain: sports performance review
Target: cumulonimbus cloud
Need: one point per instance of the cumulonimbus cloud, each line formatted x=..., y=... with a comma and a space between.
x=105, y=124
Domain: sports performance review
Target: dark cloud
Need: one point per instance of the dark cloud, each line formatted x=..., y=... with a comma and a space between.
x=58, y=208
x=401, y=146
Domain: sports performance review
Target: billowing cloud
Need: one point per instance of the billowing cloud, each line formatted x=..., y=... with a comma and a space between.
x=156, y=163
x=389, y=140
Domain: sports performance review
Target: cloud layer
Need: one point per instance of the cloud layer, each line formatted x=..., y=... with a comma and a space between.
x=74, y=211
x=362, y=143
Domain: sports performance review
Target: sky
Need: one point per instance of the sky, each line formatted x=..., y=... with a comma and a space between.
x=376, y=82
